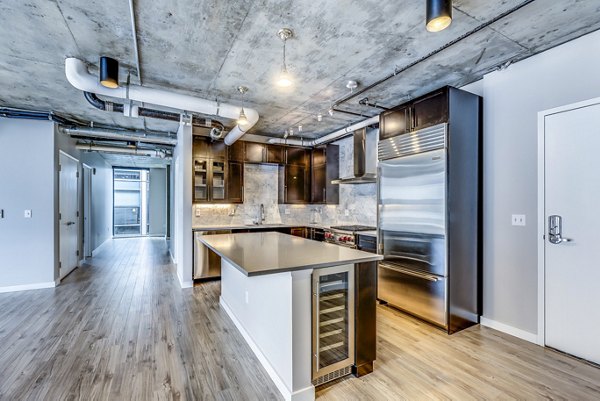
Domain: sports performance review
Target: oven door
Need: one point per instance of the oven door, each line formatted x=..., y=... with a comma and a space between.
x=413, y=251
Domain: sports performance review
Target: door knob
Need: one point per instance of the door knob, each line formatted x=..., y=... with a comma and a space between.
x=555, y=230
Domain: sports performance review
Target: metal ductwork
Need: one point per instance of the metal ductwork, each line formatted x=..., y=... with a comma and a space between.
x=136, y=111
x=159, y=153
x=78, y=75
x=126, y=136
x=329, y=137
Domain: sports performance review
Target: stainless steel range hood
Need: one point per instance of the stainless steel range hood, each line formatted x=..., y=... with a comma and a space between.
x=365, y=158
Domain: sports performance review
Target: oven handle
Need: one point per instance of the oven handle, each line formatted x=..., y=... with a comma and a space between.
x=408, y=272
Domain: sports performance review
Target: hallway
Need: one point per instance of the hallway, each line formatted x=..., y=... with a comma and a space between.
x=121, y=328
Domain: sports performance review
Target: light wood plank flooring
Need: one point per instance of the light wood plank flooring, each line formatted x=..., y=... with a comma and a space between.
x=122, y=329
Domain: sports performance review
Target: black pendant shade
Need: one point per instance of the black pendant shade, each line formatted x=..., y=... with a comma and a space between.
x=439, y=15
x=109, y=72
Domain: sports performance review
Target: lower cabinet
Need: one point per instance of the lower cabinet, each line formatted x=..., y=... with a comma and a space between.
x=298, y=231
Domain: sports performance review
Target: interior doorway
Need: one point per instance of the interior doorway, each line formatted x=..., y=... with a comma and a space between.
x=568, y=195
x=130, y=202
x=68, y=217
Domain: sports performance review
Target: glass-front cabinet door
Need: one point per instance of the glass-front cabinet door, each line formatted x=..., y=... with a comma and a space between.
x=200, y=180
x=218, y=180
x=333, y=321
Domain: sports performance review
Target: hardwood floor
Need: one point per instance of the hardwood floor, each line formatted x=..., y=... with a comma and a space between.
x=122, y=329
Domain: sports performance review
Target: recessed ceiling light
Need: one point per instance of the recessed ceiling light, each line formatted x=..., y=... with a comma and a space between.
x=439, y=15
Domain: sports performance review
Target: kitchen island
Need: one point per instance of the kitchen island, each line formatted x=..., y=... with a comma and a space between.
x=306, y=308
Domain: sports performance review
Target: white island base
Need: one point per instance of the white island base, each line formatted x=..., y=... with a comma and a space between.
x=273, y=313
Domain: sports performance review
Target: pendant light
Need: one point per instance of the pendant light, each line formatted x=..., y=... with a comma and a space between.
x=109, y=72
x=242, y=120
x=284, y=79
x=439, y=15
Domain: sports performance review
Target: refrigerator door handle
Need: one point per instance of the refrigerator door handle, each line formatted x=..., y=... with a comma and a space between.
x=413, y=273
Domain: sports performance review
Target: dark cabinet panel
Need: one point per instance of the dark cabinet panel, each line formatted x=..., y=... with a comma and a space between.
x=235, y=182
x=255, y=153
x=296, y=184
x=325, y=167
x=275, y=154
x=236, y=152
x=201, y=147
x=297, y=156
x=318, y=183
x=430, y=110
x=200, y=180
x=394, y=122
x=218, y=150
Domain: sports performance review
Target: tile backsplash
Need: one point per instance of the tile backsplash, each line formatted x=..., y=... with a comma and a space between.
x=261, y=187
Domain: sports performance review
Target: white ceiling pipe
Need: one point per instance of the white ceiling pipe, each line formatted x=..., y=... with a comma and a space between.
x=126, y=151
x=78, y=75
x=121, y=136
x=329, y=137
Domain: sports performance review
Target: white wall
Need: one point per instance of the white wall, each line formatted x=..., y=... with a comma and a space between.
x=102, y=198
x=512, y=99
x=27, y=249
x=182, y=206
x=157, y=202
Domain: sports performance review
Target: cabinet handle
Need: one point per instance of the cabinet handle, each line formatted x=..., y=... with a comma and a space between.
x=242, y=193
x=324, y=195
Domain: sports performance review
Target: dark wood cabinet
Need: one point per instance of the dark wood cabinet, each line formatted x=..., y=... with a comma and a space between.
x=235, y=182
x=255, y=152
x=297, y=156
x=423, y=112
x=394, y=122
x=298, y=231
x=325, y=168
x=430, y=110
x=215, y=179
x=235, y=152
x=294, y=184
x=275, y=154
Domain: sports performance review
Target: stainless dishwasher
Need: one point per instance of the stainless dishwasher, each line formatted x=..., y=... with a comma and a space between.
x=207, y=264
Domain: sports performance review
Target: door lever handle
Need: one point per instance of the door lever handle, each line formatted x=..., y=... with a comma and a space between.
x=555, y=230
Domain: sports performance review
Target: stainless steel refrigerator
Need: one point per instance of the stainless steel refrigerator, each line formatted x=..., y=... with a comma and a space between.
x=429, y=222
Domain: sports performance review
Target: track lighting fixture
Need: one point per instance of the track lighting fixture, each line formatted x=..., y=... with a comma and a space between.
x=284, y=79
x=330, y=111
x=109, y=72
x=319, y=117
x=242, y=120
x=439, y=15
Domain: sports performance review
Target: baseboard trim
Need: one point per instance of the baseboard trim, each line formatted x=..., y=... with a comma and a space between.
x=304, y=394
x=95, y=251
x=27, y=287
x=513, y=331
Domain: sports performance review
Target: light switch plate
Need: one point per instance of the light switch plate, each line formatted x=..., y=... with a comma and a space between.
x=198, y=212
x=518, y=220
x=27, y=214
x=346, y=212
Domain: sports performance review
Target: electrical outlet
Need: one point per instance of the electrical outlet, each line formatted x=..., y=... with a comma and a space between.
x=287, y=211
x=198, y=212
x=518, y=220
x=346, y=212
x=247, y=298
x=27, y=214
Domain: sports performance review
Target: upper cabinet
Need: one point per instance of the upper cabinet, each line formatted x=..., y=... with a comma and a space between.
x=423, y=112
x=325, y=167
x=255, y=152
x=235, y=152
x=275, y=154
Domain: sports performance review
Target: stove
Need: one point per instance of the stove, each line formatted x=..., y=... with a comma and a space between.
x=345, y=235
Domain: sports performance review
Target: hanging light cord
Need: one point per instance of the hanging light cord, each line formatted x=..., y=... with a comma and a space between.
x=284, y=62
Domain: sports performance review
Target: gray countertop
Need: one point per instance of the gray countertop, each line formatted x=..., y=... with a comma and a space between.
x=272, y=252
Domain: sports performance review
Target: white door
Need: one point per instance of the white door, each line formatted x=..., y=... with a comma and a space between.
x=572, y=262
x=68, y=218
x=87, y=212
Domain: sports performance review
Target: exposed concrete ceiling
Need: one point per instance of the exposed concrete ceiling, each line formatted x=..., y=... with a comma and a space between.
x=207, y=48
